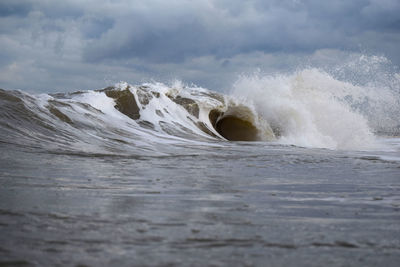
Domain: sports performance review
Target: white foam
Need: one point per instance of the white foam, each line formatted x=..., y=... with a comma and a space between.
x=174, y=113
x=309, y=108
x=99, y=101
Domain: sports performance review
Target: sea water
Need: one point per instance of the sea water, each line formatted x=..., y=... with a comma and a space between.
x=299, y=169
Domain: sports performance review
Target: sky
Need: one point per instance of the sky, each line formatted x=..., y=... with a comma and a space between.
x=58, y=46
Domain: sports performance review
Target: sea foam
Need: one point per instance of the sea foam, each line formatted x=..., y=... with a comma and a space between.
x=313, y=109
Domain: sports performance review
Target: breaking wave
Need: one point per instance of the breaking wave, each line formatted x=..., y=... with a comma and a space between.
x=308, y=108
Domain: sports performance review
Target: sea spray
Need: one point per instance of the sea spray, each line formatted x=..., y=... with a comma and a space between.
x=310, y=108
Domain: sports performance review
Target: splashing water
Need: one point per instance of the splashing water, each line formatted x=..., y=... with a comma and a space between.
x=310, y=108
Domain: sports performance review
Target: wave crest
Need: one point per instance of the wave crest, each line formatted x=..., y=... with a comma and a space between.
x=308, y=108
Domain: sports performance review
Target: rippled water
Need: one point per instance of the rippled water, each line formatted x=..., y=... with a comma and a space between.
x=240, y=204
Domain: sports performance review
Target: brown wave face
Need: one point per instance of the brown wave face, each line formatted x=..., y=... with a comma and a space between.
x=236, y=124
x=125, y=101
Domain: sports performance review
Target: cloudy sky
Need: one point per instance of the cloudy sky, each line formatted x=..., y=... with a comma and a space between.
x=51, y=45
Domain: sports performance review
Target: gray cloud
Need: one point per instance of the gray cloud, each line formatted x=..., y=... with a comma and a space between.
x=14, y=8
x=184, y=30
x=52, y=45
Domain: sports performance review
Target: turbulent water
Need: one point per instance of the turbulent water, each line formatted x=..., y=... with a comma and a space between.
x=300, y=169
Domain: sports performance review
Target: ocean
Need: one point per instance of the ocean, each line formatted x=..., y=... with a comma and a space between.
x=298, y=169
